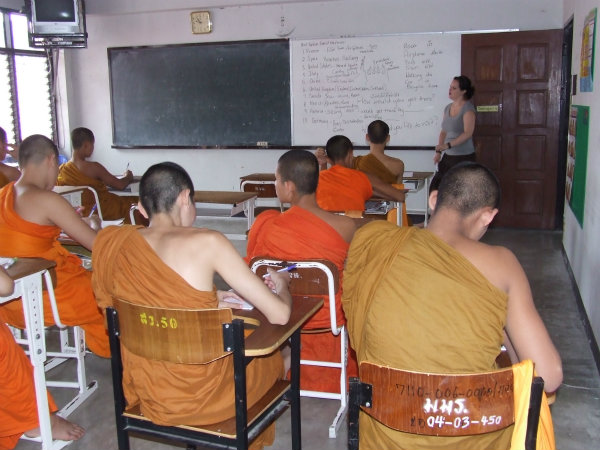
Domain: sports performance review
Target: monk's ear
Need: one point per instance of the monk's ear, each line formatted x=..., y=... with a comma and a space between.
x=433, y=199
x=487, y=215
x=142, y=210
x=387, y=140
x=367, y=138
x=183, y=199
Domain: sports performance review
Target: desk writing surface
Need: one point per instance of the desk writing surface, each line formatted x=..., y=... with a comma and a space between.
x=27, y=266
x=267, y=337
x=416, y=175
x=68, y=189
x=259, y=177
x=224, y=197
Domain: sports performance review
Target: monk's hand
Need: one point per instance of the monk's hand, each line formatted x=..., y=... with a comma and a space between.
x=93, y=221
x=128, y=175
x=321, y=155
x=437, y=157
x=229, y=299
x=277, y=281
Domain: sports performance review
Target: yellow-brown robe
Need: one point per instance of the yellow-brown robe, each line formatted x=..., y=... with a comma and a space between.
x=113, y=206
x=413, y=302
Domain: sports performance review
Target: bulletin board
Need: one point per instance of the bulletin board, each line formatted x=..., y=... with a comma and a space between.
x=577, y=148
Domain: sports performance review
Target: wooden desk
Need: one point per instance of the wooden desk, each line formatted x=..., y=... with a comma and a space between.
x=27, y=274
x=415, y=181
x=237, y=201
x=267, y=337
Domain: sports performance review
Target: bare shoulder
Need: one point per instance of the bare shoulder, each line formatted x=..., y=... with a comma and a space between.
x=91, y=168
x=345, y=226
x=498, y=264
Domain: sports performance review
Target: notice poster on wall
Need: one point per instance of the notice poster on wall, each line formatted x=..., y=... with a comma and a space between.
x=586, y=76
x=577, y=147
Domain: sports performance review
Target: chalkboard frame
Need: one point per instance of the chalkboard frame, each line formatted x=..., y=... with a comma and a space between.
x=117, y=144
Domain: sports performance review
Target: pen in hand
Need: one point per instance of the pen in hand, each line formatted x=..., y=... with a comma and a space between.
x=285, y=269
x=93, y=210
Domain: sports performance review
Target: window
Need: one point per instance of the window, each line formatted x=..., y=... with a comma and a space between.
x=26, y=105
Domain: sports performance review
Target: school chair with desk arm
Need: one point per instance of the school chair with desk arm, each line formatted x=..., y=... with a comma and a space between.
x=317, y=277
x=185, y=336
x=30, y=275
x=73, y=194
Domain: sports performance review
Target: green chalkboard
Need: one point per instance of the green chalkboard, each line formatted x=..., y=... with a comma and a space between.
x=224, y=94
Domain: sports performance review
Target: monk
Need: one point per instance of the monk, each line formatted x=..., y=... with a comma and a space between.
x=7, y=173
x=31, y=219
x=342, y=188
x=387, y=168
x=18, y=408
x=455, y=300
x=81, y=172
x=172, y=264
x=306, y=231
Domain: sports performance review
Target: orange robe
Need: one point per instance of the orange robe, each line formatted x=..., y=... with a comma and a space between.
x=73, y=290
x=343, y=189
x=18, y=406
x=125, y=266
x=113, y=206
x=299, y=234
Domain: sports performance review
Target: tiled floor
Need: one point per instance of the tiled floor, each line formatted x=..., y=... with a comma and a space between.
x=576, y=411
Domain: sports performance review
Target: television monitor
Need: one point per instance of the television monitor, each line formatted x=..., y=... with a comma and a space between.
x=57, y=23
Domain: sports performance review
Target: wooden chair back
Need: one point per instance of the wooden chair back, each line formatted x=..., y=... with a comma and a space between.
x=263, y=190
x=186, y=336
x=439, y=404
x=308, y=278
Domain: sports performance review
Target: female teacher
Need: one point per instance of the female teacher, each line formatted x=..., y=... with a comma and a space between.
x=456, y=142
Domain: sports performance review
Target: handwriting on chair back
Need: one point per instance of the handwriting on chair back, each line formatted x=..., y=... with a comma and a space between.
x=305, y=280
x=263, y=190
x=438, y=404
x=183, y=336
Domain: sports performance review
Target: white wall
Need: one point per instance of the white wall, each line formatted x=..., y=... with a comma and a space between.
x=582, y=245
x=116, y=23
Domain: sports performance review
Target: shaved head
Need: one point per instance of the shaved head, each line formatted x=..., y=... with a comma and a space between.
x=161, y=185
x=302, y=168
x=468, y=187
x=35, y=149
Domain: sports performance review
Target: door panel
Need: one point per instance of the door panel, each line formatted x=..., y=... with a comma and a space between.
x=517, y=81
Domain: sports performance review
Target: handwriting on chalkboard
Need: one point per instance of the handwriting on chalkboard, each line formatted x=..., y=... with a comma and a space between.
x=340, y=85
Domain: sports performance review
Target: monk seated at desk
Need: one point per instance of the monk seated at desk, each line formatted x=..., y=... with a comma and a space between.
x=81, y=172
x=7, y=173
x=31, y=219
x=306, y=231
x=387, y=168
x=342, y=188
x=18, y=408
x=455, y=300
x=172, y=264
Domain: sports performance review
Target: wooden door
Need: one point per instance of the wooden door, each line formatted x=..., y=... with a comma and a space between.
x=517, y=80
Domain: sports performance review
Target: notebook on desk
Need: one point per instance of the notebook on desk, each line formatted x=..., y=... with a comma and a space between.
x=377, y=207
